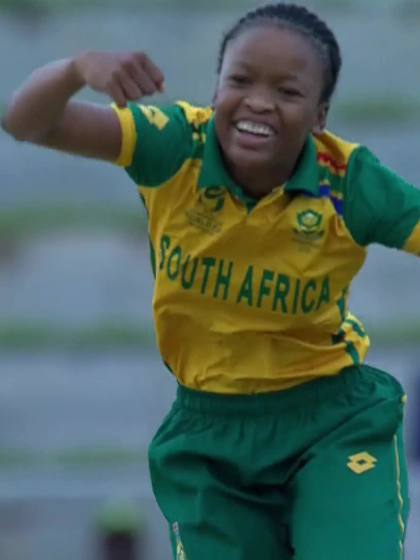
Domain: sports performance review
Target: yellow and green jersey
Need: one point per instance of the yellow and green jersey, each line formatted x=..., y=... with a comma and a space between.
x=252, y=296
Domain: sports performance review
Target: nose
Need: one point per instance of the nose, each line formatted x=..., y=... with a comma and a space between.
x=259, y=100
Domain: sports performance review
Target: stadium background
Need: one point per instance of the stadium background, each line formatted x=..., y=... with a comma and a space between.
x=81, y=386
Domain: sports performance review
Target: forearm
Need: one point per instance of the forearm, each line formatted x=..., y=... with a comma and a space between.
x=41, y=110
x=39, y=103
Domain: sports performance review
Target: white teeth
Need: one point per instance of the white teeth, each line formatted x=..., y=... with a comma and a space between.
x=254, y=128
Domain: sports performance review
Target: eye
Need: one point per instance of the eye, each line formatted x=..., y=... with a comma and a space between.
x=289, y=92
x=239, y=79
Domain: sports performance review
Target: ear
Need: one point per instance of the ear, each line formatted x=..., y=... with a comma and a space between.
x=321, y=118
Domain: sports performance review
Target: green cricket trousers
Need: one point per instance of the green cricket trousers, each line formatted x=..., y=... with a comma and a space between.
x=316, y=472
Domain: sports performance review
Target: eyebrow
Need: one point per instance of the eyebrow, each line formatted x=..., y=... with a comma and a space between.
x=243, y=65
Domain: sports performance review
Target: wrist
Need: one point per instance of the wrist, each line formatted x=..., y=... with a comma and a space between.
x=75, y=67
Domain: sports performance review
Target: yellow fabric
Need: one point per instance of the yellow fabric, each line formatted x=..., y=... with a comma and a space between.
x=129, y=136
x=333, y=153
x=413, y=243
x=195, y=115
x=250, y=301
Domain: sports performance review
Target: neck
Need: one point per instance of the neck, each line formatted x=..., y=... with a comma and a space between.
x=258, y=182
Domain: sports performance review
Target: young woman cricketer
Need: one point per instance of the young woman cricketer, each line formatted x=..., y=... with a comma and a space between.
x=282, y=443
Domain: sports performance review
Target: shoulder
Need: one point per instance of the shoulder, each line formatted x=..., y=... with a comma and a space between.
x=191, y=114
x=377, y=205
x=158, y=140
x=336, y=159
x=177, y=117
x=335, y=153
x=195, y=116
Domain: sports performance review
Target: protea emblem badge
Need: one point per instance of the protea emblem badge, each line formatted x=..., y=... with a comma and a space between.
x=309, y=225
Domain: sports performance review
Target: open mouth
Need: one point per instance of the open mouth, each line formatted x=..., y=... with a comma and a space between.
x=258, y=130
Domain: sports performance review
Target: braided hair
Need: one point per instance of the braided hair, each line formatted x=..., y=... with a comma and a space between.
x=301, y=20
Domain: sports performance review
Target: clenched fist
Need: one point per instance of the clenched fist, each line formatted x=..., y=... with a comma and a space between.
x=126, y=76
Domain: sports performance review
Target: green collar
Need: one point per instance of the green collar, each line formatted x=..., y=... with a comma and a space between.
x=306, y=176
x=214, y=173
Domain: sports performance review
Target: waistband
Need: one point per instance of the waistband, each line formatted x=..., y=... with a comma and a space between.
x=262, y=403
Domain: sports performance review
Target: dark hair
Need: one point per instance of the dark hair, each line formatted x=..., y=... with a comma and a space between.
x=296, y=18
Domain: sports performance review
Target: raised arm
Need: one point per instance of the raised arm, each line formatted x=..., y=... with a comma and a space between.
x=42, y=111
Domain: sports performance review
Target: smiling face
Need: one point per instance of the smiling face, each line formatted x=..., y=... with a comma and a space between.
x=268, y=101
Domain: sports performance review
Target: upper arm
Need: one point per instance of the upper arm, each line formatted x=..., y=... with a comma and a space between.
x=88, y=130
x=380, y=207
x=156, y=141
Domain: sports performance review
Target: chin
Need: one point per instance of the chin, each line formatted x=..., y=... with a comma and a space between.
x=244, y=159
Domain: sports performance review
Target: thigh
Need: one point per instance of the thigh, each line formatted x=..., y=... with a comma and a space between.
x=351, y=498
x=239, y=534
x=210, y=514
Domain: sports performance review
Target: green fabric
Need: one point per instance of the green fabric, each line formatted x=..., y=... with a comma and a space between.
x=380, y=207
x=306, y=177
x=214, y=172
x=159, y=154
x=336, y=182
x=267, y=476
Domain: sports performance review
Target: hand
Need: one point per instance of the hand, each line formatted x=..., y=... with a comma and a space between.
x=123, y=77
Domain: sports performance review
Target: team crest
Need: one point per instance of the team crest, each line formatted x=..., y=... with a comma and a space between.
x=205, y=213
x=309, y=225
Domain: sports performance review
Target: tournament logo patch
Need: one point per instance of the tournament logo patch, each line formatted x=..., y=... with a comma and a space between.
x=204, y=215
x=309, y=226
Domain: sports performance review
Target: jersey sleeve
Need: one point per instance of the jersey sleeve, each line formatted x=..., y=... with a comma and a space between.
x=155, y=142
x=380, y=207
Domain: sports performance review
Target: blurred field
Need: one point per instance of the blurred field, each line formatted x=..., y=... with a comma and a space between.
x=81, y=388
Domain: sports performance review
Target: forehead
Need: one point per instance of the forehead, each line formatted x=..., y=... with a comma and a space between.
x=272, y=48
